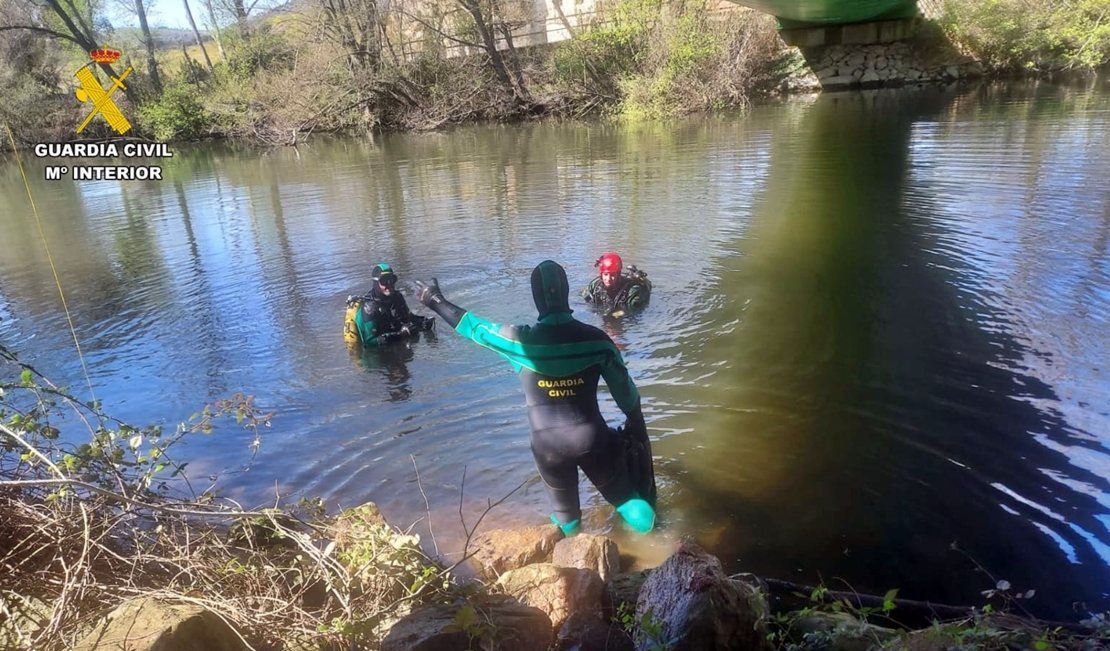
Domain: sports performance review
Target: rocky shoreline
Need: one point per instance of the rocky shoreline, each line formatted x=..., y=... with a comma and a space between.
x=537, y=590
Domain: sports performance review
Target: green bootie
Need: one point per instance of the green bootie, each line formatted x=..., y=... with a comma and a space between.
x=569, y=529
x=638, y=514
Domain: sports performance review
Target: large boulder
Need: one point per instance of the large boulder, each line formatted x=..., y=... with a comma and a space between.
x=558, y=591
x=502, y=624
x=498, y=551
x=588, y=552
x=689, y=604
x=151, y=625
x=623, y=589
x=586, y=632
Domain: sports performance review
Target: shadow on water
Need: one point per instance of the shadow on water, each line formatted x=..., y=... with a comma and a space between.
x=871, y=402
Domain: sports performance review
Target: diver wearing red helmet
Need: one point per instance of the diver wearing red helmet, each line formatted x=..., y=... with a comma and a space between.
x=616, y=291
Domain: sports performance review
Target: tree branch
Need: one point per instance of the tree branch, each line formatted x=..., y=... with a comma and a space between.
x=41, y=30
x=439, y=31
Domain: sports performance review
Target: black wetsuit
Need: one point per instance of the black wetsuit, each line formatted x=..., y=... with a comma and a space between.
x=560, y=361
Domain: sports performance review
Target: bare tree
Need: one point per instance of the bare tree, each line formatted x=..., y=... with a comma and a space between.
x=148, y=41
x=215, y=27
x=196, y=33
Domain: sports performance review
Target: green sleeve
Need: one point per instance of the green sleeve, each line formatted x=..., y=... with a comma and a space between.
x=588, y=292
x=620, y=383
x=635, y=296
x=556, y=359
x=489, y=335
x=366, y=330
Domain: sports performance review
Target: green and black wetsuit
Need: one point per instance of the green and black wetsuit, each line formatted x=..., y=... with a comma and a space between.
x=561, y=361
x=381, y=318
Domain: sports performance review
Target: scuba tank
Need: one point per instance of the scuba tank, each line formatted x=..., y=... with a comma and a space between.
x=350, y=328
x=639, y=275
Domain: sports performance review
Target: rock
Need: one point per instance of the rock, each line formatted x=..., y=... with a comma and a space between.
x=557, y=591
x=24, y=616
x=623, y=589
x=825, y=73
x=582, y=632
x=870, y=78
x=501, y=550
x=588, y=552
x=150, y=625
x=698, y=608
x=952, y=71
x=841, y=81
x=494, y=623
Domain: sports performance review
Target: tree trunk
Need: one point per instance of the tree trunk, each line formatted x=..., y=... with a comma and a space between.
x=518, y=75
x=85, y=38
x=215, y=28
x=196, y=34
x=241, y=19
x=490, y=43
x=151, y=63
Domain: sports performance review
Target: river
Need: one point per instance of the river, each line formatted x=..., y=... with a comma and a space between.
x=879, y=325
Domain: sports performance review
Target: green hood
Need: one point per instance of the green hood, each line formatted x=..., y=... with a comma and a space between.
x=550, y=289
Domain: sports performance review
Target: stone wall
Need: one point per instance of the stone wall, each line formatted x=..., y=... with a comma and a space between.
x=884, y=64
x=881, y=53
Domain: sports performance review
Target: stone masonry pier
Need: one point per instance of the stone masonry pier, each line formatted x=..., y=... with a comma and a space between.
x=882, y=53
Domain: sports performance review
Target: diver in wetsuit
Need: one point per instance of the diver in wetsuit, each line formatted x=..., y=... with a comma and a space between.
x=382, y=315
x=560, y=361
x=615, y=291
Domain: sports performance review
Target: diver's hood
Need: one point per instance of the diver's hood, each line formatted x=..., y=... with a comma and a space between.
x=550, y=289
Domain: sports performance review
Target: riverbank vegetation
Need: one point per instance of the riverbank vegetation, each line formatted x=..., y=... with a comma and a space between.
x=328, y=65
x=1030, y=36
x=279, y=73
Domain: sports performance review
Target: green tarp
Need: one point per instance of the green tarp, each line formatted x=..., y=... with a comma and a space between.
x=800, y=13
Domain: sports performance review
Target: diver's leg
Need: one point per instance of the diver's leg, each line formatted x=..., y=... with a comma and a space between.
x=560, y=478
x=606, y=466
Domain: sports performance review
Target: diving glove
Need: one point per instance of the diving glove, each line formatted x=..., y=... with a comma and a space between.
x=430, y=295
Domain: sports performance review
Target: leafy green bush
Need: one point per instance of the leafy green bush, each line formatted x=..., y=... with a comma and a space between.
x=1043, y=35
x=177, y=115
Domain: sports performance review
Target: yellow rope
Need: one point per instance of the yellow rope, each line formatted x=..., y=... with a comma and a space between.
x=49, y=258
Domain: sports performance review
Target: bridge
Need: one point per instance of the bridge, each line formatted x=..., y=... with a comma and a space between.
x=867, y=43
x=793, y=14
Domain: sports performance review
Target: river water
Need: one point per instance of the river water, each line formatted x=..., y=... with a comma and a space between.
x=879, y=326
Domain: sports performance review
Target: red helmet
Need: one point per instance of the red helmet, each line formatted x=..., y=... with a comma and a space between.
x=610, y=263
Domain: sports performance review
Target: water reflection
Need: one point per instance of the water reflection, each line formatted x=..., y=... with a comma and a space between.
x=873, y=383
x=390, y=363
